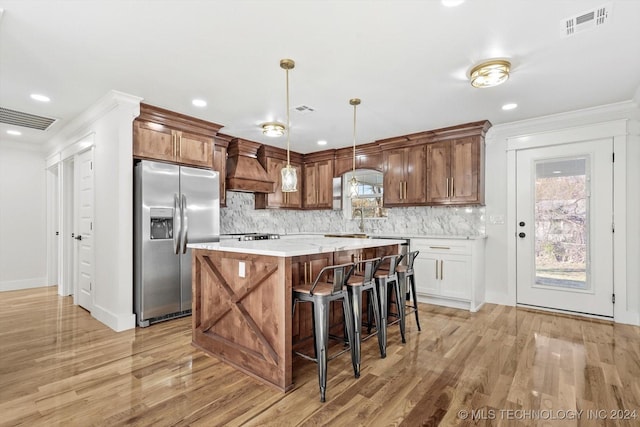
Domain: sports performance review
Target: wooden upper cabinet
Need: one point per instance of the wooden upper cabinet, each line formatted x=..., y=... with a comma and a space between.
x=220, y=165
x=368, y=156
x=404, y=176
x=273, y=160
x=164, y=135
x=153, y=141
x=278, y=199
x=194, y=149
x=455, y=173
x=318, y=185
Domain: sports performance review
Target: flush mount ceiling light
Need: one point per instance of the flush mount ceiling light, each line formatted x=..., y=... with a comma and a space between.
x=288, y=173
x=353, y=183
x=490, y=73
x=510, y=106
x=272, y=129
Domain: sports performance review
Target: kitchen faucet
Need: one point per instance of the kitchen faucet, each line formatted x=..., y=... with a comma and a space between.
x=359, y=210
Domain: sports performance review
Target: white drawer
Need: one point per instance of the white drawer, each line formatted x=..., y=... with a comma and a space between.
x=442, y=246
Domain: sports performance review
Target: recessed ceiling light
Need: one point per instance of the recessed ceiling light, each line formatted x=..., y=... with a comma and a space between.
x=199, y=102
x=510, y=106
x=14, y=132
x=39, y=97
x=556, y=172
x=452, y=3
x=322, y=142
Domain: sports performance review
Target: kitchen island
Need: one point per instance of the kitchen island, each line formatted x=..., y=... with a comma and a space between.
x=242, y=302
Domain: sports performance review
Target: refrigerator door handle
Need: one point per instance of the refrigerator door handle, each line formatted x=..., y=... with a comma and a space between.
x=185, y=225
x=177, y=224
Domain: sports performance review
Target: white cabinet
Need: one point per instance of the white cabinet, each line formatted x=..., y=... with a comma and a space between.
x=450, y=272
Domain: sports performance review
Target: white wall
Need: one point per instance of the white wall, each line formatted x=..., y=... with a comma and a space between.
x=22, y=217
x=499, y=288
x=110, y=122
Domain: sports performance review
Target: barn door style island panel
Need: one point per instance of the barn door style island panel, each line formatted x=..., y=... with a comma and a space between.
x=242, y=302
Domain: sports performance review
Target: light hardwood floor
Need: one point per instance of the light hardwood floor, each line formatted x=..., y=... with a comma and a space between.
x=59, y=366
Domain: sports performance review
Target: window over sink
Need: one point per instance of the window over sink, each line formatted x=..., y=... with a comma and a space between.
x=369, y=199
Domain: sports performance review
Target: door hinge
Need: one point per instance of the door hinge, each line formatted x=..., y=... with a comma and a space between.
x=613, y=227
x=91, y=165
x=613, y=298
x=613, y=157
x=91, y=226
x=90, y=286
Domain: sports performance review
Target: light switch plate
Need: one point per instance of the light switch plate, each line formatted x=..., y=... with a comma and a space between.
x=496, y=219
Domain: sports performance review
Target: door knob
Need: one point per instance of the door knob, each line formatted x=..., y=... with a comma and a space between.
x=521, y=235
x=78, y=237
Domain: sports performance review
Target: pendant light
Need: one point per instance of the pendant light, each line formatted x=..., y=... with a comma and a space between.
x=353, y=183
x=288, y=173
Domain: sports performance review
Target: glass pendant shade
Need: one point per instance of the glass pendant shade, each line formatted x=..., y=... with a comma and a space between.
x=289, y=179
x=353, y=182
x=288, y=174
x=353, y=187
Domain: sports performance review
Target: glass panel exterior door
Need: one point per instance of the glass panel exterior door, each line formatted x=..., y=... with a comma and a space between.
x=564, y=239
x=562, y=188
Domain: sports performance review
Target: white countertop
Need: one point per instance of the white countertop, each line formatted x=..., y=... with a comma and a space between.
x=391, y=235
x=294, y=246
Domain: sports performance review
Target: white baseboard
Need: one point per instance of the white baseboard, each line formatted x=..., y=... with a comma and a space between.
x=117, y=322
x=498, y=298
x=14, y=285
x=446, y=302
x=627, y=317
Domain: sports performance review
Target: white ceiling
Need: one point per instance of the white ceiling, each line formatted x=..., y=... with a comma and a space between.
x=407, y=60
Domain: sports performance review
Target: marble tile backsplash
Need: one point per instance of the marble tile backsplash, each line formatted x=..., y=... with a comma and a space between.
x=240, y=216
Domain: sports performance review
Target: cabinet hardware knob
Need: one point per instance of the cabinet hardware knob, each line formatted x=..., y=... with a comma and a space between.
x=521, y=223
x=521, y=235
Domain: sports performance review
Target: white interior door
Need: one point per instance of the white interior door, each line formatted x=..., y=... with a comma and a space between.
x=564, y=231
x=84, y=202
x=67, y=220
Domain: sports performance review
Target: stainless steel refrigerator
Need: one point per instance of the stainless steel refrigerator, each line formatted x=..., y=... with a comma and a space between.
x=173, y=205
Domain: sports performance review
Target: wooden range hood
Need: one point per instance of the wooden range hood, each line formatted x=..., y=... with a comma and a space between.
x=244, y=172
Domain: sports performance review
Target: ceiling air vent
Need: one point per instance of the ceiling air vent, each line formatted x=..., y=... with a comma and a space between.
x=304, y=109
x=18, y=118
x=587, y=20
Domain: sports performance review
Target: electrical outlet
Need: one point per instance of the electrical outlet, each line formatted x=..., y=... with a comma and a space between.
x=241, y=269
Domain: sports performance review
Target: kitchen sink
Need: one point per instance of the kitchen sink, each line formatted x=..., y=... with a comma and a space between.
x=351, y=235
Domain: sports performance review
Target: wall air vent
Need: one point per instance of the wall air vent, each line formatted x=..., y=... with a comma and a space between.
x=304, y=109
x=18, y=118
x=586, y=20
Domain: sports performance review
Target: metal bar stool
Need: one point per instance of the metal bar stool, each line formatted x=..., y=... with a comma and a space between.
x=320, y=294
x=359, y=282
x=405, y=273
x=384, y=276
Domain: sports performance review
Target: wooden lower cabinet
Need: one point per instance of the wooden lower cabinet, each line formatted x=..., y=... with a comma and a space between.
x=242, y=310
x=304, y=269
